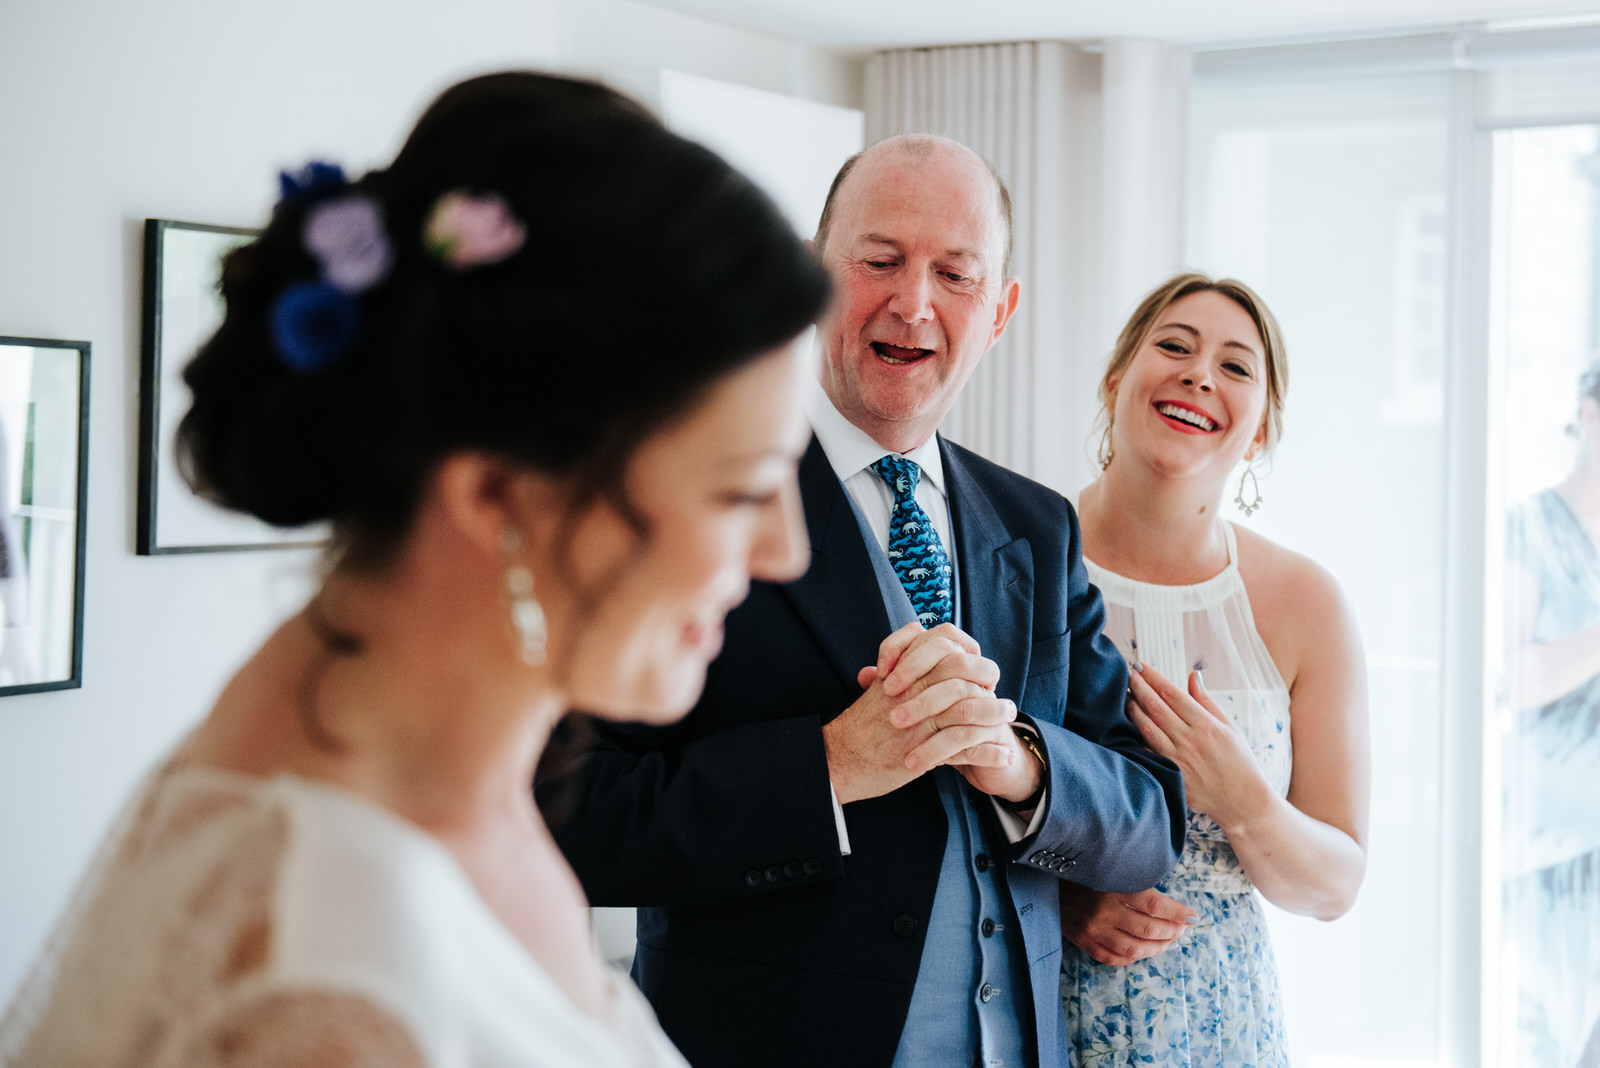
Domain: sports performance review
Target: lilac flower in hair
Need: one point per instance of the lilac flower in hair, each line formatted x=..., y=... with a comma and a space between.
x=466, y=230
x=346, y=236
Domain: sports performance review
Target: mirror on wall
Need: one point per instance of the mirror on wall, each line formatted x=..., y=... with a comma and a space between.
x=183, y=306
x=44, y=440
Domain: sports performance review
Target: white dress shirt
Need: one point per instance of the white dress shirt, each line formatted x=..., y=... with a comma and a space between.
x=852, y=452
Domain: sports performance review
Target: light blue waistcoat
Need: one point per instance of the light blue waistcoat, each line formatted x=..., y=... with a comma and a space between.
x=972, y=1003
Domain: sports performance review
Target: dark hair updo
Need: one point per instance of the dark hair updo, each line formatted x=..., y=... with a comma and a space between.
x=649, y=269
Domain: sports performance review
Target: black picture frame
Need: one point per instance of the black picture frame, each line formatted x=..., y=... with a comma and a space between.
x=182, y=307
x=44, y=497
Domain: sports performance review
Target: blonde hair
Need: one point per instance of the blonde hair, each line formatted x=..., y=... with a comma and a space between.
x=1149, y=312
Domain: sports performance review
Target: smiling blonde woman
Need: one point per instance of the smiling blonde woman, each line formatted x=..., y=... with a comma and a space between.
x=1244, y=656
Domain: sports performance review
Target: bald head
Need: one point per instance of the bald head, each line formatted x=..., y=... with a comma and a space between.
x=915, y=150
x=915, y=239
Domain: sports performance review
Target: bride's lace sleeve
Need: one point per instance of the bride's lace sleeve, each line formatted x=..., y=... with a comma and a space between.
x=162, y=958
x=307, y=1030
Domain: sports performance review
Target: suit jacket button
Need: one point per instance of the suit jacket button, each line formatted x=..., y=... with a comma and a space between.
x=987, y=927
x=982, y=861
x=791, y=870
x=774, y=873
x=905, y=926
x=986, y=993
x=812, y=866
x=752, y=878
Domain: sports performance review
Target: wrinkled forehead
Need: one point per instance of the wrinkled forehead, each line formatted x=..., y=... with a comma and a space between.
x=945, y=190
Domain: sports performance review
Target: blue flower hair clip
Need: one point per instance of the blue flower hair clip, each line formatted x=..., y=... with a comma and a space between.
x=313, y=322
x=313, y=177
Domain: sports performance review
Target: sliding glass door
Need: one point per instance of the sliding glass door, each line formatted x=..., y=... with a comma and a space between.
x=1544, y=344
x=1331, y=199
x=1431, y=243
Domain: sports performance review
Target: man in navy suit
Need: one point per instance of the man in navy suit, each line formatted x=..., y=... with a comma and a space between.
x=849, y=852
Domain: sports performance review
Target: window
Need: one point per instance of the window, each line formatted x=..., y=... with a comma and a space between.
x=1330, y=200
x=1424, y=217
x=1545, y=339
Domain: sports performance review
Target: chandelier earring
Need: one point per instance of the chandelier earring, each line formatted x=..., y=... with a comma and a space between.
x=1106, y=451
x=1249, y=476
x=527, y=615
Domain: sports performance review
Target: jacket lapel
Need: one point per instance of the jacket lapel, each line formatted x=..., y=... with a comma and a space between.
x=837, y=597
x=996, y=575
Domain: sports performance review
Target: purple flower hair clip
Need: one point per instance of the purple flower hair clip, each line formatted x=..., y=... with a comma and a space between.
x=314, y=322
x=465, y=230
x=346, y=236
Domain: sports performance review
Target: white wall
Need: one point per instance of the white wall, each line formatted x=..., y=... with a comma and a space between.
x=113, y=111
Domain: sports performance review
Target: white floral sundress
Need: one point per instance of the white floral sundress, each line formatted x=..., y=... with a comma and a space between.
x=1212, y=999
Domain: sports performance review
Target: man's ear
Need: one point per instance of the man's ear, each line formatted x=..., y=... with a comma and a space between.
x=1005, y=307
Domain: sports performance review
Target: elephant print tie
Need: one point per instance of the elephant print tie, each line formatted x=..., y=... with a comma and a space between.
x=914, y=547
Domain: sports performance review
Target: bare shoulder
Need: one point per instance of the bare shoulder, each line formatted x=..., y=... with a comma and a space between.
x=1299, y=609
x=1275, y=576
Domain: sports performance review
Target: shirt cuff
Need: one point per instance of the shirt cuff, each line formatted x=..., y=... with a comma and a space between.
x=838, y=822
x=1012, y=823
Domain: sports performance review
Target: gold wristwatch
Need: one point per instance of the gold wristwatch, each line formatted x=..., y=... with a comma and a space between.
x=1030, y=742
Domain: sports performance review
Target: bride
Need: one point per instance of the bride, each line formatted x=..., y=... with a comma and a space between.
x=541, y=376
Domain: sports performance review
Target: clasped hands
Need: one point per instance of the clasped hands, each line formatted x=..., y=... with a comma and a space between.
x=929, y=700
x=1220, y=780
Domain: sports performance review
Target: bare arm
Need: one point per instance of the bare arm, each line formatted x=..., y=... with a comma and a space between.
x=1306, y=853
x=1541, y=672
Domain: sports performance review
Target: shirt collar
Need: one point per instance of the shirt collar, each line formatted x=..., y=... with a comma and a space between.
x=851, y=450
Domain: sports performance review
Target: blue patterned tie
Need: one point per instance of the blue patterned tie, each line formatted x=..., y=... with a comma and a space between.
x=914, y=550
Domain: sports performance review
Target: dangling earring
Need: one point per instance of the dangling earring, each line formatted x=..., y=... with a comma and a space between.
x=1105, y=452
x=527, y=615
x=1248, y=507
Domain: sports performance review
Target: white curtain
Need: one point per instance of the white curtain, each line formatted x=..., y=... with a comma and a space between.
x=1092, y=147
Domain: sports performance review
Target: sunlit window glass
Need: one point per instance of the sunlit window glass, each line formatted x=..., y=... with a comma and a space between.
x=1331, y=199
x=1546, y=333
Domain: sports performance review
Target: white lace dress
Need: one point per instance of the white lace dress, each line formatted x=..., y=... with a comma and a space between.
x=236, y=921
x=1212, y=999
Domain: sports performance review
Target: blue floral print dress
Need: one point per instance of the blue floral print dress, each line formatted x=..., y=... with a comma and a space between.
x=1212, y=999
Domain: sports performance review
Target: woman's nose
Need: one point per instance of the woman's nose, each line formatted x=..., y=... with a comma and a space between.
x=782, y=551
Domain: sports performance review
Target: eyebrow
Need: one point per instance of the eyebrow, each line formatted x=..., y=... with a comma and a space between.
x=1226, y=344
x=952, y=253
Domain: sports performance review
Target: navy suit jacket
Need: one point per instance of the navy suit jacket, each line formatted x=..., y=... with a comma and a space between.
x=758, y=942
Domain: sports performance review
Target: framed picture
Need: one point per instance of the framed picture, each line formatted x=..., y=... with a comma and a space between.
x=182, y=308
x=44, y=486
